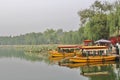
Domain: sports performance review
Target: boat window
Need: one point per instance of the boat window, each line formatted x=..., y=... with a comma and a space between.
x=65, y=50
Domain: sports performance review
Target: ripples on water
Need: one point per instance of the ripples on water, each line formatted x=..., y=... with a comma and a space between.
x=18, y=65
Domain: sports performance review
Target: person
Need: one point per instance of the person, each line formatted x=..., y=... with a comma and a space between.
x=118, y=48
x=110, y=48
x=113, y=49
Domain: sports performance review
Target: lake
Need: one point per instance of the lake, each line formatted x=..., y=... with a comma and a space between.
x=15, y=64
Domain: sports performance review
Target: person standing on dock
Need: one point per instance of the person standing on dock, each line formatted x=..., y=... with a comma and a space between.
x=118, y=47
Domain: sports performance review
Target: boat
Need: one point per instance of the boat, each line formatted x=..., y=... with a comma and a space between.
x=94, y=54
x=64, y=51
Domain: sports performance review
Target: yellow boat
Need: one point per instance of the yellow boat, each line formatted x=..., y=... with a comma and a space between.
x=93, y=59
x=94, y=54
x=64, y=51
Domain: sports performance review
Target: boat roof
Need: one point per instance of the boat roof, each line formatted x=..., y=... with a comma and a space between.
x=94, y=47
x=87, y=40
x=68, y=46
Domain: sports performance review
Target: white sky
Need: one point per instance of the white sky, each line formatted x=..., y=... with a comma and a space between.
x=25, y=16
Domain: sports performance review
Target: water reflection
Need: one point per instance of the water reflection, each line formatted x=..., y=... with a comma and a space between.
x=97, y=71
x=55, y=60
x=19, y=53
x=19, y=65
x=46, y=67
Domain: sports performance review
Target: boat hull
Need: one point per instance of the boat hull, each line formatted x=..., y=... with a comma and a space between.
x=92, y=59
x=58, y=54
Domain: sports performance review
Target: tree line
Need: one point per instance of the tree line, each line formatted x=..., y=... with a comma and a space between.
x=100, y=20
x=49, y=36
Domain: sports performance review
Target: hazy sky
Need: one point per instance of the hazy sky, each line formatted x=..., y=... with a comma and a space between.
x=25, y=16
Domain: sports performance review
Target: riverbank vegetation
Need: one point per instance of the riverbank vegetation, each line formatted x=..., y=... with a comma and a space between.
x=20, y=52
x=100, y=20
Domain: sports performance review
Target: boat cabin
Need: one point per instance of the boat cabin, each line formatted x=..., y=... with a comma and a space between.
x=95, y=50
x=67, y=48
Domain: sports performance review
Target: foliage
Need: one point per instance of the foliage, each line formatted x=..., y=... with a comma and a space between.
x=101, y=20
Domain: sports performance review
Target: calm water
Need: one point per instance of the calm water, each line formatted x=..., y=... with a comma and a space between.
x=17, y=65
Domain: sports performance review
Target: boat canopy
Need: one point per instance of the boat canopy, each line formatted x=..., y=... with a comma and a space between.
x=94, y=47
x=68, y=46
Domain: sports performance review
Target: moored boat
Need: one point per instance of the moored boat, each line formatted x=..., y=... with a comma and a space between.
x=93, y=59
x=64, y=51
x=94, y=54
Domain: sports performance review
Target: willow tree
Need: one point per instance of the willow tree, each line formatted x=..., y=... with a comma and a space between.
x=97, y=17
x=117, y=16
